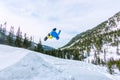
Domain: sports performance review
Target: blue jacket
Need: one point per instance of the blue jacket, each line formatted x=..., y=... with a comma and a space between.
x=55, y=34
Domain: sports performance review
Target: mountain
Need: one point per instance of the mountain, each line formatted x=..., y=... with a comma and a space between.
x=102, y=42
x=45, y=47
x=22, y=64
x=110, y=25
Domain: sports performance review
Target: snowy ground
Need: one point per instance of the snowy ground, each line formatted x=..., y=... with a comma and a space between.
x=21, y=64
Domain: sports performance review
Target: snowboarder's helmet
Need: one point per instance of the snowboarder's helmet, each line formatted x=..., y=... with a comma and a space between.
x=54, y=29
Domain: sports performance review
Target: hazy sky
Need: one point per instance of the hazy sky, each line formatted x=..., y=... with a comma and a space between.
x=38, y=17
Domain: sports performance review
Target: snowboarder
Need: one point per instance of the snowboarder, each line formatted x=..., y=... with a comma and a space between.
x=53, y=34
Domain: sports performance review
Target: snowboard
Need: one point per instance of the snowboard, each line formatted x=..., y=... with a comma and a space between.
x=46, y=37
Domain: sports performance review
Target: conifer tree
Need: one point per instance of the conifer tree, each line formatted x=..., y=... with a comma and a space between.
x=68, y=55
x=76, y=55
x=110, y=63
x=4, y=28
x=18, y=41
x=39, y=47
x=10, y=37
x=27, y=42
x=0, y=27
x=30, y=42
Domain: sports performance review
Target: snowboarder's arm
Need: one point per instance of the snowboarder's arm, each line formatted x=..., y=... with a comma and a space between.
x=59, y=32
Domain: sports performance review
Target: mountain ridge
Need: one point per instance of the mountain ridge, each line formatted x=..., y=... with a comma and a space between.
x=105, y=27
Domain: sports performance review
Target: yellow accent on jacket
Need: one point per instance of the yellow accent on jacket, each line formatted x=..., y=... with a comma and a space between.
x=50, y=37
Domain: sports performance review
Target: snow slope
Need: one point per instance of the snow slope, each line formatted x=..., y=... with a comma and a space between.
x=21, y=64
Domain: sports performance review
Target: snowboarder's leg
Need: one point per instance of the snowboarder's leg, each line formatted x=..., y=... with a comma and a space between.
x=57, y=37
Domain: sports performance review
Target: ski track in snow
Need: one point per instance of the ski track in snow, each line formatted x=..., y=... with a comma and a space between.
x=21, y=64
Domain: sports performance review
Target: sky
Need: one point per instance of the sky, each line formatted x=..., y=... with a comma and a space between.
x=38, y=17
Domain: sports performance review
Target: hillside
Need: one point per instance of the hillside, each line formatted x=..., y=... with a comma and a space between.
x=108, y=26
x=22, y=64
x=102, y=42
